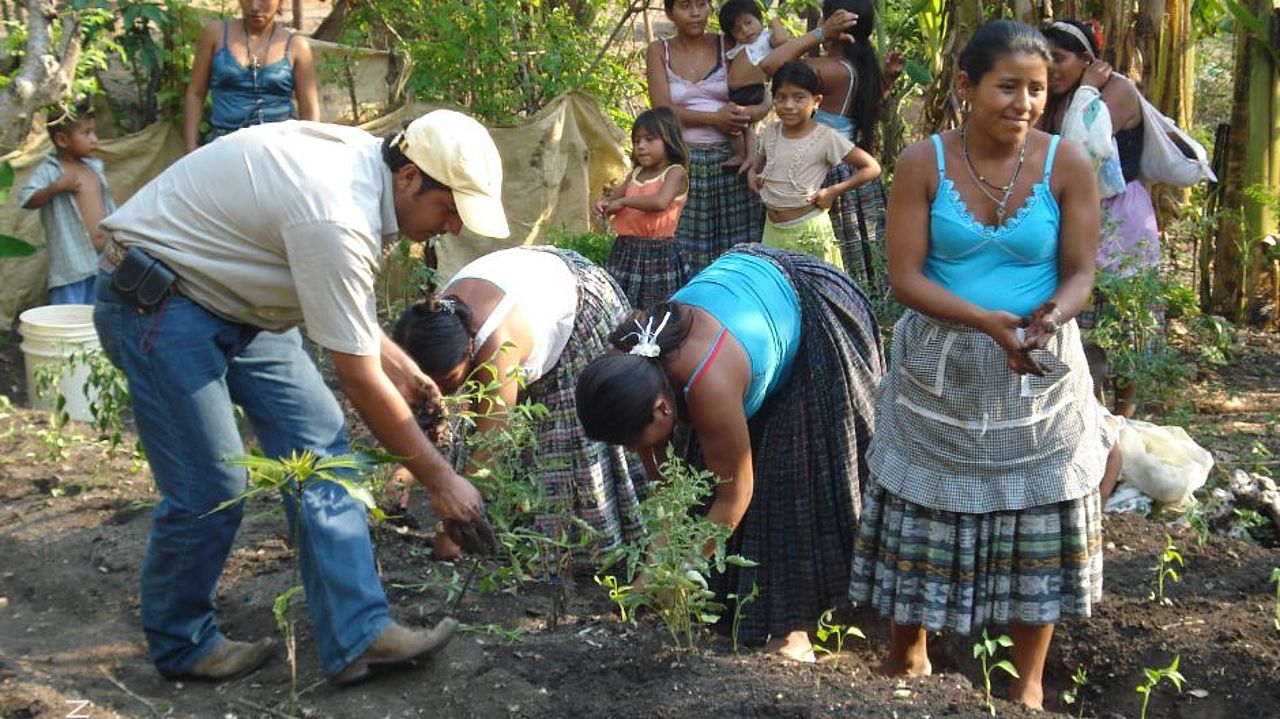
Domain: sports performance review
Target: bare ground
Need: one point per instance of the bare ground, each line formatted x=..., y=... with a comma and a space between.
x=72, y=531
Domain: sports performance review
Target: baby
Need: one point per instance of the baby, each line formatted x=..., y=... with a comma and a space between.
x=742, y=22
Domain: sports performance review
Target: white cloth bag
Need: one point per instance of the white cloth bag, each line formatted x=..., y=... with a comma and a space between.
x=1162, y=158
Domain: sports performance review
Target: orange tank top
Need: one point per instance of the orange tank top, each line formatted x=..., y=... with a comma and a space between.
x=640, y=223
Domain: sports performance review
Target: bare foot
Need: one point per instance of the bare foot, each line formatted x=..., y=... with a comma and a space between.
x=795, y=646
x=1031, y=695
x=909, y=667
x=444, y=549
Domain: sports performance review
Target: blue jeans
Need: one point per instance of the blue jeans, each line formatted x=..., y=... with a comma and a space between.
x=77, y=293
x=186, y=368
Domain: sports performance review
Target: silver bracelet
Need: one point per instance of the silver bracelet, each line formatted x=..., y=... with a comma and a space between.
x=818, y=34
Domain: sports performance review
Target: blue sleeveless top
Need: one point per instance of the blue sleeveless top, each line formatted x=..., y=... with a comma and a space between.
x=754, y=302
x=1013, y=267
x=840, y=122
x=244, y=96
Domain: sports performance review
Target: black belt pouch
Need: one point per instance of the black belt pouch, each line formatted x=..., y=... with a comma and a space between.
x=142, y=280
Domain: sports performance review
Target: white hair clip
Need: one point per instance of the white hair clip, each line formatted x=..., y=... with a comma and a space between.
x=647, y=337
x=448, y=304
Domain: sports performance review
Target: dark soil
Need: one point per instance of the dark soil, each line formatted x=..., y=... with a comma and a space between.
x=73, y=529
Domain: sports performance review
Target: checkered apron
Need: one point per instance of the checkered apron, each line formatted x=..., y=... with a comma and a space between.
x=985, y=503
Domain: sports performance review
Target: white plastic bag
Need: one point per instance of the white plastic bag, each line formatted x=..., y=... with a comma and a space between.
x=1162, y=158
x=1163, y=462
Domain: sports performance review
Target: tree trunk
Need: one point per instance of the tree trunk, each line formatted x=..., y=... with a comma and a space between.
x=942, y=107
x=46, y=74
x=1253, y=160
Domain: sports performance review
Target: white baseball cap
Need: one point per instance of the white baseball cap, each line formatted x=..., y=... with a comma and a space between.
x=457, y=151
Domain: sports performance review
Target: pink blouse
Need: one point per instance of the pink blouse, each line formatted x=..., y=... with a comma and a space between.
x=706, y=95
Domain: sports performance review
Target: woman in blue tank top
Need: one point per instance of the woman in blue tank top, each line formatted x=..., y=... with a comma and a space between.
x=255, y=70
x=771, y=358
x=985, y=463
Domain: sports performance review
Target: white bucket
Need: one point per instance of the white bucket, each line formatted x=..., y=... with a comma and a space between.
x=50, y=334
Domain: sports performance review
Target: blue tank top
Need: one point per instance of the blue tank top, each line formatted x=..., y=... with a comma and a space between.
x=244, y=96
x=1013, y=267
x=840, y=122
x=754, y=302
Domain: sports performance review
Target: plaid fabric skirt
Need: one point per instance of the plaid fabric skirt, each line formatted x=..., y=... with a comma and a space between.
x=858, y=218
x=649, y=270
x=812, y=236
x=958, y=572
x=807, y=446
x=721, y=210
x=603, y=484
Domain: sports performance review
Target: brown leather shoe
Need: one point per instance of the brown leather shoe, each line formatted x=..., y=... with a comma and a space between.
x=232, y=659
x=397, y=647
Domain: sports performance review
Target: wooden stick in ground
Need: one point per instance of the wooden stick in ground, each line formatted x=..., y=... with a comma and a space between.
x=121, y=686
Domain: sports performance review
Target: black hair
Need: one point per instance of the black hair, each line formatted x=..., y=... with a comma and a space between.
x=868, y=92
x=1069, y=42
x=663, y=124
x=734, y=9
x=798, y=73
x=669, y=4
x=436, y=333
x=396, y=159
x=999, y=39
x=64, y=119
x=1099, y=366
x=616, y=392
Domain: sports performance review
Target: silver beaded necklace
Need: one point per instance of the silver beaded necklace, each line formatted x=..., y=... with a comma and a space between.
x=1006, y=191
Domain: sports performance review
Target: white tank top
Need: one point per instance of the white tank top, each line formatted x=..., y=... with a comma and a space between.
x=545, y=290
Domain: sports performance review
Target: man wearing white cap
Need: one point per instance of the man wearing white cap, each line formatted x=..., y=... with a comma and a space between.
x=209, y=268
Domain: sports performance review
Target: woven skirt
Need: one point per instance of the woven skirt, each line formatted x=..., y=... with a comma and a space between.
x=807, y=447
x=649, y=270
x=603, y=484
x=958, y=572
x=721, y=210
x=812, y=236
x=858, y=219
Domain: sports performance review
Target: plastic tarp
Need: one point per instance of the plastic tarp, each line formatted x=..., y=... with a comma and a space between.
x=554, y=165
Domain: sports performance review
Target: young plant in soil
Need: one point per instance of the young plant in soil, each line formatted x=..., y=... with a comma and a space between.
x=828, y=629
x=667, y=568
x=739, y=603
x=104, y=384
x=290, y=476
x=537, y=535
x=1164, y=568
x=1072, y=694
x=1275, y=579
x=1154, y=677
x=986, y=651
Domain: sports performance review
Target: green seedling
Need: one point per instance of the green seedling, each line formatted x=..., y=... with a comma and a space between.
x=986, y=651
x=1072, y=694
x=290, y=476
x=739, y=603
x=1154, y=677
x=667, y=567
x=828, y=629
x=1275, y=579
x=510, y=636
x=280, y=609
x=1165, y=570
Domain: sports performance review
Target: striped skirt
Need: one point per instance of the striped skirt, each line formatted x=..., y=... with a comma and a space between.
x=721, y=211
x=959, y=572
x=649, y=270
x=603, y=484
x=858, y=218
x=807, y=446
